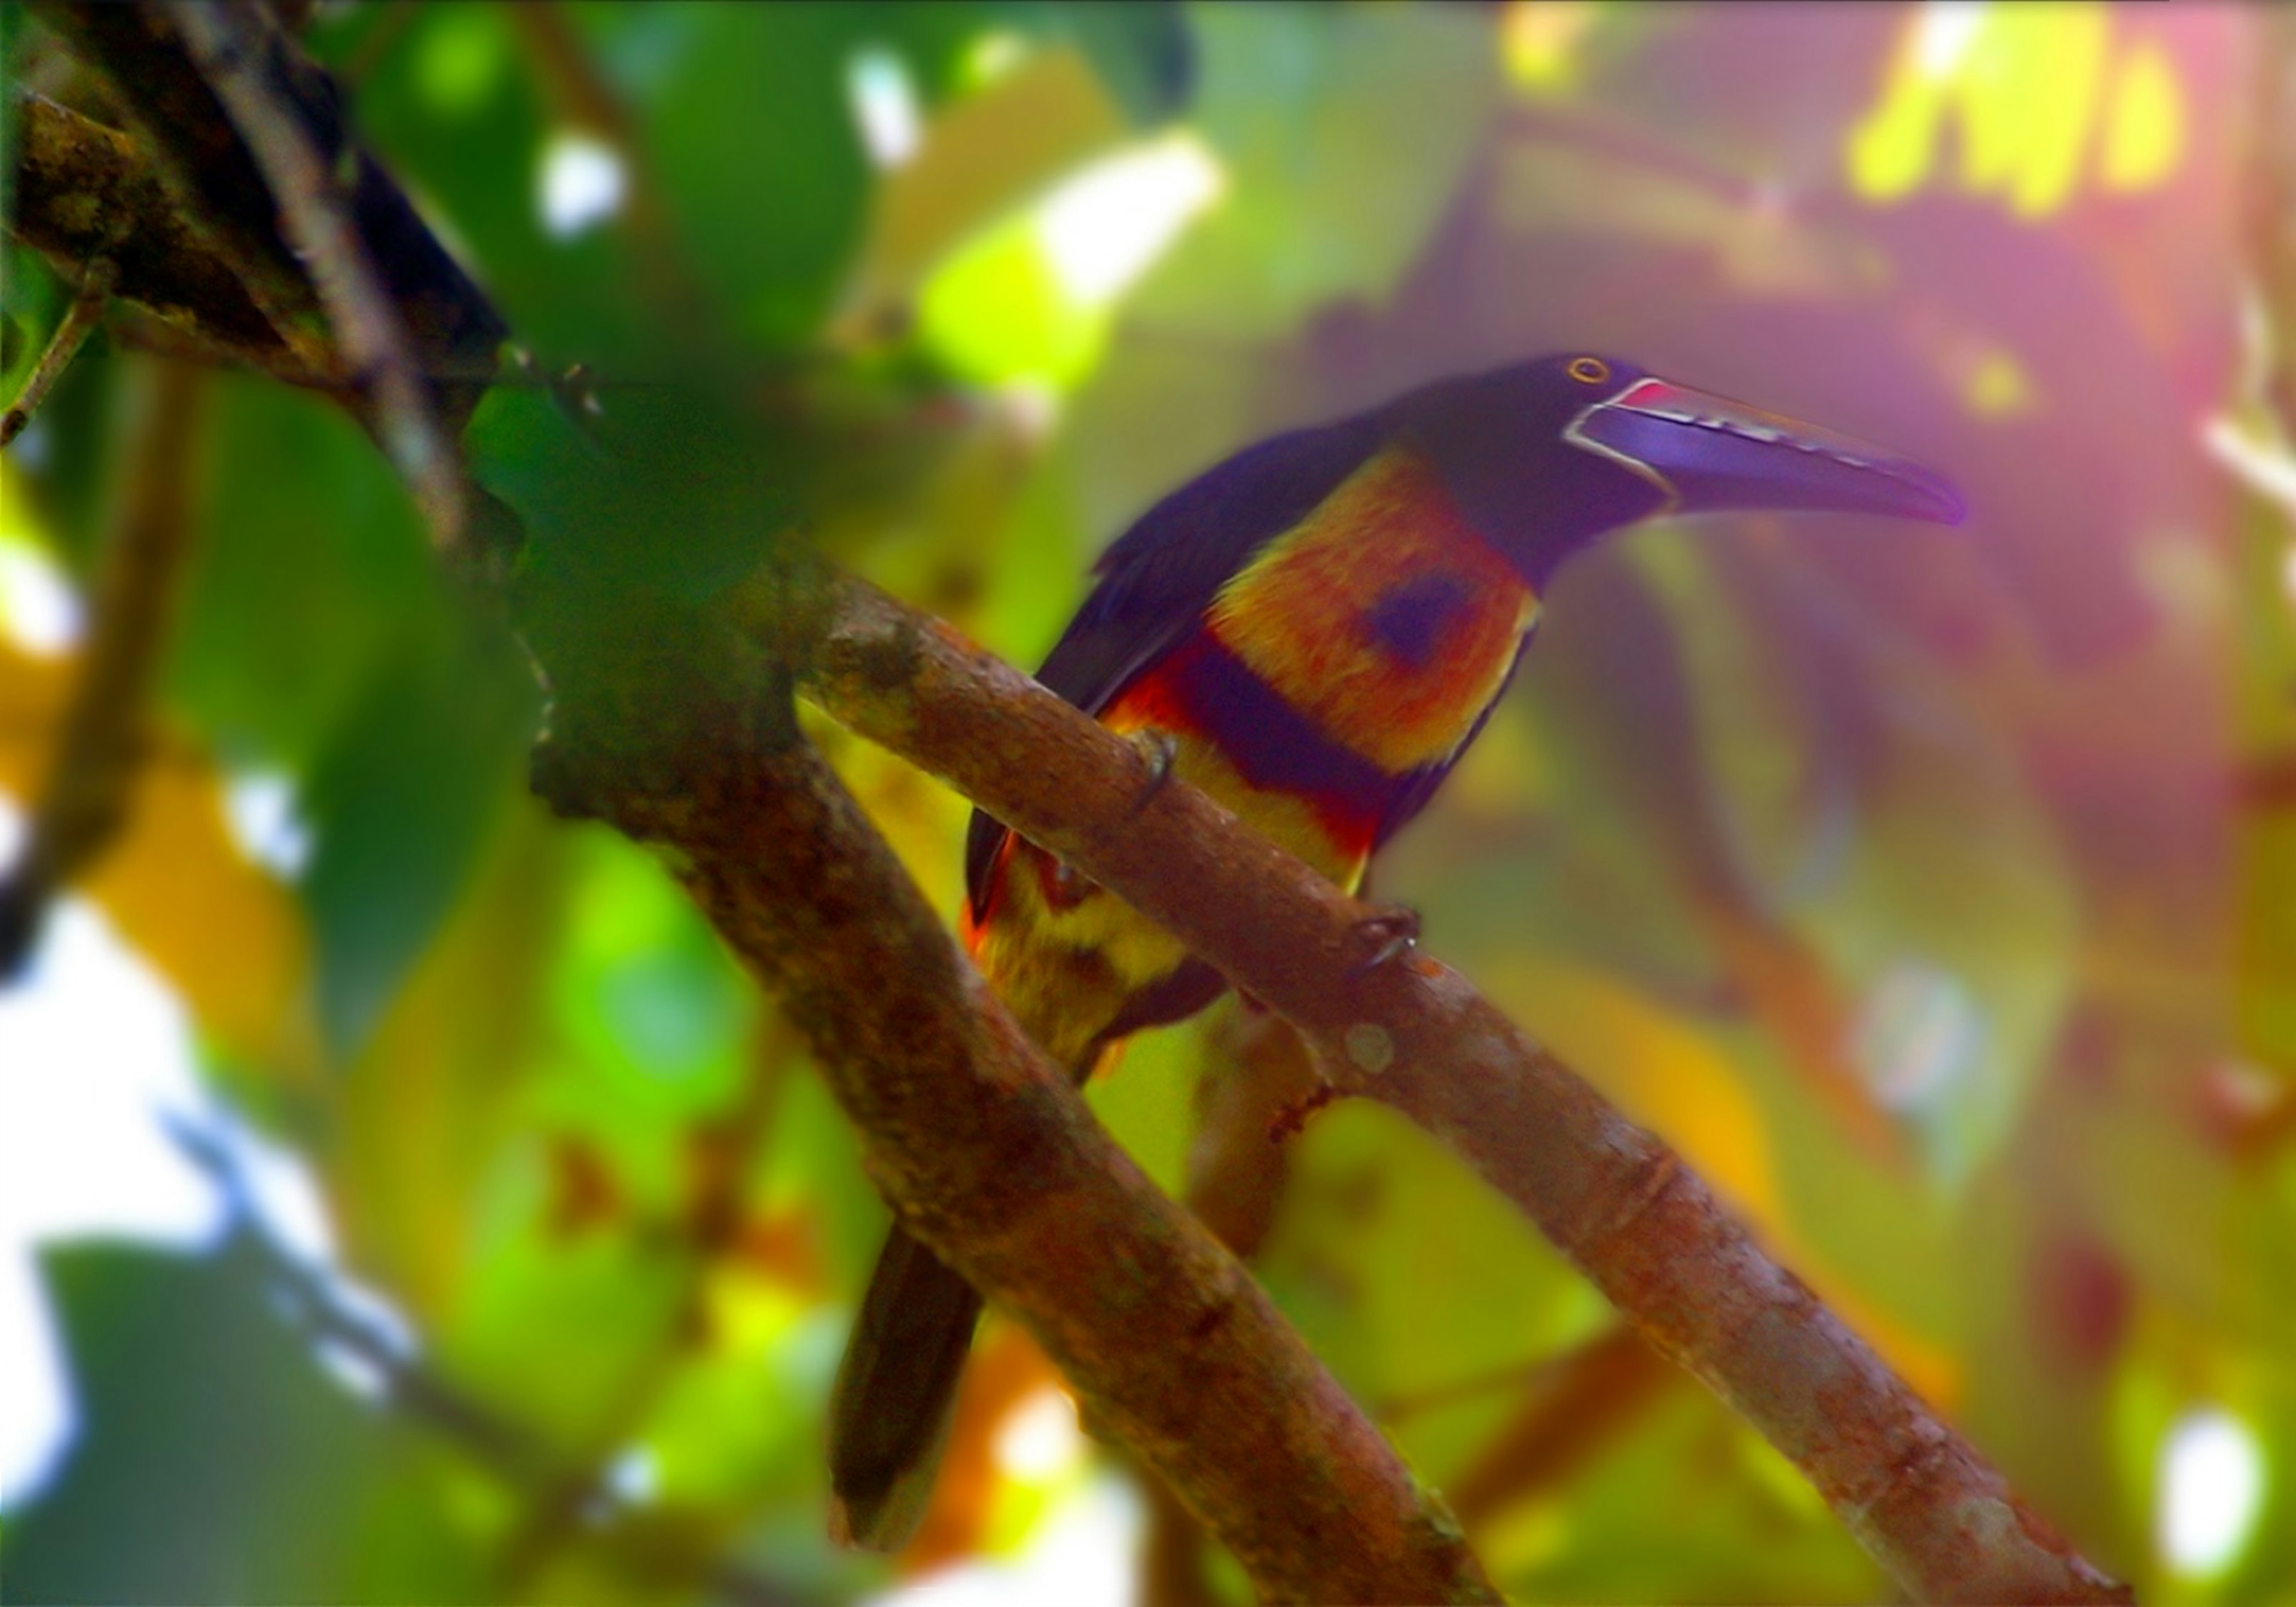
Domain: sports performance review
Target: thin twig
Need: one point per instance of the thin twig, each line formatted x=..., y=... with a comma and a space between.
x=582, y=98
x=1435, y=1397
x=1256, y=1068
x=708, y=1228
x=381, y=39
x=623, y=1534
x=79, y=319
x=101, y=743
x=234, y=45
x=1579, y=1399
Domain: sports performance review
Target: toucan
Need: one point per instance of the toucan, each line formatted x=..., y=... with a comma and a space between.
x=1312, y=631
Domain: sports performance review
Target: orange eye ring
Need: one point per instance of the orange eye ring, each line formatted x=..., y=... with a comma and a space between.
x=1589, y=370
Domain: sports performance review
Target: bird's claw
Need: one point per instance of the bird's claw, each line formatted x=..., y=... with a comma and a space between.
x=1159, y=751
x=1391, y=931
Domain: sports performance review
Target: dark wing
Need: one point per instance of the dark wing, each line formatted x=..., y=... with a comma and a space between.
x=1157, y=579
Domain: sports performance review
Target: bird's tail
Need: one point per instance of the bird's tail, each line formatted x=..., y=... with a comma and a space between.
x=896, y=1392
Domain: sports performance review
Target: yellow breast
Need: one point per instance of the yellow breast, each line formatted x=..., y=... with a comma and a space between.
x=1383, y=617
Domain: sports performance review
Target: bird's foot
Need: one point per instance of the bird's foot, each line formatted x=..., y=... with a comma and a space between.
x=1159, y=750
x=1389, y=933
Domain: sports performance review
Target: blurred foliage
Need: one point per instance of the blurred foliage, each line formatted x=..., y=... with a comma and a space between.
x=1932, y=890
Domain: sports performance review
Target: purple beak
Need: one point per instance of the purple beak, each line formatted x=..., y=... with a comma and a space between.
x=1710, y=454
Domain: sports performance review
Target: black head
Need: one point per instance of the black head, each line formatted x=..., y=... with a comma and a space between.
x=1546, y=456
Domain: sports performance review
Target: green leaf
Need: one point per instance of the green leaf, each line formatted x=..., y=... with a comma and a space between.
x=1146, y=54
x=673, y=491
x=759, y=158
x=215, y=1462
x=439, y=1097
x=454, y=107
x=1345, y=131
x=1737, y=1524
x=400, y=800
x=1408, y=1273
x=37, y=302
x=289, y=611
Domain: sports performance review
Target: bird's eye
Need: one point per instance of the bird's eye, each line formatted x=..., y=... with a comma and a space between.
x=1589, y=371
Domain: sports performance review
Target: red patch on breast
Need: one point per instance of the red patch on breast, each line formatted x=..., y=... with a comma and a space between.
x=1198, y=693
x=1159, y=699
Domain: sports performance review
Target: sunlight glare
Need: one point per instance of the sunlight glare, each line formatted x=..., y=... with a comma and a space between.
x=2264, y=467
x=1943, y=34
x=1080, y=1555
x=583, y=180
x=1039, y=1439
x=363, y=1374
x=634, y=1478
x=92, y=1046
x=40, y=611
x=2211, y=1488
x=992, y=55
x=1918, y=1034
x=260, y=805
x=884, y=102
x=96, y=1064
x=1101, y=229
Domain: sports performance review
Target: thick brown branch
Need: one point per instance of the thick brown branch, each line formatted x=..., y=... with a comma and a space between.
x=221, y=170
x=240, y=52
x=201, y=161
x=1414, y=1035
x=991, y=1158
x=85, y=191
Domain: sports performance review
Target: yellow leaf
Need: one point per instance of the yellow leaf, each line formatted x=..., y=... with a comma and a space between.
x=1664, y=1075
x=1891, y=149
x=996, y=314
x=425, y=1112
x=2145, y=128
x=1998, y=387
x=981, y=158
x=222, y=930
x=1660, y=1071
x=1539, y=40
x=2029, y=92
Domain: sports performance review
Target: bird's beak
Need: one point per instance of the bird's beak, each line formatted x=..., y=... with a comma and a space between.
x=1710, y=454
